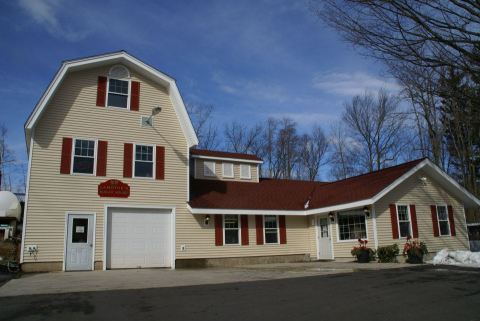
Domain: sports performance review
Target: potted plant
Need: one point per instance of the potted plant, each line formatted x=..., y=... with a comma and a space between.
x=414, y=250
x=362, y=252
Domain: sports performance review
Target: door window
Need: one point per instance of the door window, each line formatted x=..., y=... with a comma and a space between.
x=80, y=230
x=323, y=227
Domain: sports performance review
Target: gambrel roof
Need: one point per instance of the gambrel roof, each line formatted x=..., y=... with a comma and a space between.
x=112, y=58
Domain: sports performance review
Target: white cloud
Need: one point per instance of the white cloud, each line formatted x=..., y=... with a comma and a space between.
x=45, y=13
x=253, y=89
x=350, y=84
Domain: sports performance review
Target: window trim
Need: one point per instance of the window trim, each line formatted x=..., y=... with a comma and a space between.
x=351, y=212
x=448, y=221
x=95, y=151
x=409, y=221
x=129, y=80
x=249, y=172
x=154, y=161
x=265, y=231
x=223, y=170
x=239, y=231
x=214, y=169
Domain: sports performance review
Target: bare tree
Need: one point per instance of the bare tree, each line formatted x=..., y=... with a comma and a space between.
x=343, y=149
x=421, y=87
x=207, y=133
x=286, y=148
x=377, y=124
x=6, y=156
x=442, y=33
x=268, y=148
x=243, y=139
x=461, y=117
x=312, y=152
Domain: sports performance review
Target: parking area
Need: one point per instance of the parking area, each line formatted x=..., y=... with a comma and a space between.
x=67, y=282
x=415, y=293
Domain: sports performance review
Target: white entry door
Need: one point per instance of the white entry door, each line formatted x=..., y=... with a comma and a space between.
x=139, y=238
x=324, y=239
x=79, y=250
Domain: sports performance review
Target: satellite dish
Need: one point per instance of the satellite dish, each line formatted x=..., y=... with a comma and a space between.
x=9, y=205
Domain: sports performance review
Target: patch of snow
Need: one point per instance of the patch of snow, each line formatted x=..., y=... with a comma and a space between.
x=461, y=258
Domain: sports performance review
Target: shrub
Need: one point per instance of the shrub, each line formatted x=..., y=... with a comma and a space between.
x=388, y=253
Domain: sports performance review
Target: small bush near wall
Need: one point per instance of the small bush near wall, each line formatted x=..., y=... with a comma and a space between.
x=388, y=253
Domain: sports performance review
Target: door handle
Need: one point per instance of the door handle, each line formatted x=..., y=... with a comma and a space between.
x=91, y=245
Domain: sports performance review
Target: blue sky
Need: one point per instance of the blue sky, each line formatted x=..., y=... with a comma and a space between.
x=250, y=59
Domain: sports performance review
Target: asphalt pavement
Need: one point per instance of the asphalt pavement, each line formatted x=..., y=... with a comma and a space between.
x=418, y=293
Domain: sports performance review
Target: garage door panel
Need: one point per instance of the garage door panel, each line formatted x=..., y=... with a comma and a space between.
x=139, y=238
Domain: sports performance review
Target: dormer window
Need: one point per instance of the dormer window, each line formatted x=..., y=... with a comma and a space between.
x=118, y=87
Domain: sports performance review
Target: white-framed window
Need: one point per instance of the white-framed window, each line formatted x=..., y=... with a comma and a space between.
x=270, y=227
x=208, y=168
x=84, y=156
x=443, y=222
x=404, y=221
x=144, y=160
x=227, y=170
x=245, y=171
x=118, y=93
x=351, y=226
x=231, y=229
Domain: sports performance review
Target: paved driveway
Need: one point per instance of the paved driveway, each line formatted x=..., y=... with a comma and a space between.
x=67, y=282
x=420, y=293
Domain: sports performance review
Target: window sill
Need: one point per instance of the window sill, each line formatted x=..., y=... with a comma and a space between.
x=83, y=174
x=350, y=241
x=118, y=108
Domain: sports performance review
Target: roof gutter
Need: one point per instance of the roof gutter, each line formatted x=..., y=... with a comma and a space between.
x=227, y=211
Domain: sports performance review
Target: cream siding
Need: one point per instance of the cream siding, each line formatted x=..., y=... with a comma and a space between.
x=73, y=113
x=200, y=240
x=412, y=191
x=199, y=164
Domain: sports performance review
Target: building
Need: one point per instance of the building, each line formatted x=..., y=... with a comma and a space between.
x=114, y=181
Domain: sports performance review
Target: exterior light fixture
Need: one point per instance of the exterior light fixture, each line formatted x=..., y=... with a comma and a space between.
x=366, y=211
x=423, y=180
x=331, y=215
x=155, y=111
x=206, y=221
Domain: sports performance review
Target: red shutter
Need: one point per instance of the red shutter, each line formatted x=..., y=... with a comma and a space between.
x=244, y=226
x=283, y=229
x=127, y=160
x=413, y=216
x=66, y=158
x=433, y=209
x=135, y=96
x=218, y=230
x=393, y=218
x=101, y=91
x=160, y=165
x=259, y=228
x=102, y=158
x=451, y=219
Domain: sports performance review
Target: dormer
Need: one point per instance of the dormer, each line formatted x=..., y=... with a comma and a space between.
x=219, y=165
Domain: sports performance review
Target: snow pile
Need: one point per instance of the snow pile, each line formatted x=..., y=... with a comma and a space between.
x=463, y=258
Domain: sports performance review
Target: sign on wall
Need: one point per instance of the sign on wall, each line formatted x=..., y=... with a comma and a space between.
x=113, y=188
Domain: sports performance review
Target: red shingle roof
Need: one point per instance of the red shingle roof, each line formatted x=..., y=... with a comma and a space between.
x=278, y=194
x=221, y=154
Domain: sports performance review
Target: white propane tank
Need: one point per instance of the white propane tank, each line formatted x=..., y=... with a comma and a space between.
x=9, y=205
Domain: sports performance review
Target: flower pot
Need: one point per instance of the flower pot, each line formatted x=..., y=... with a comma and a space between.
x=363, y=256
x=414, y=258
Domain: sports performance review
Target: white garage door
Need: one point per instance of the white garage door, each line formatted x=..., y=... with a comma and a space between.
x=139, y=238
